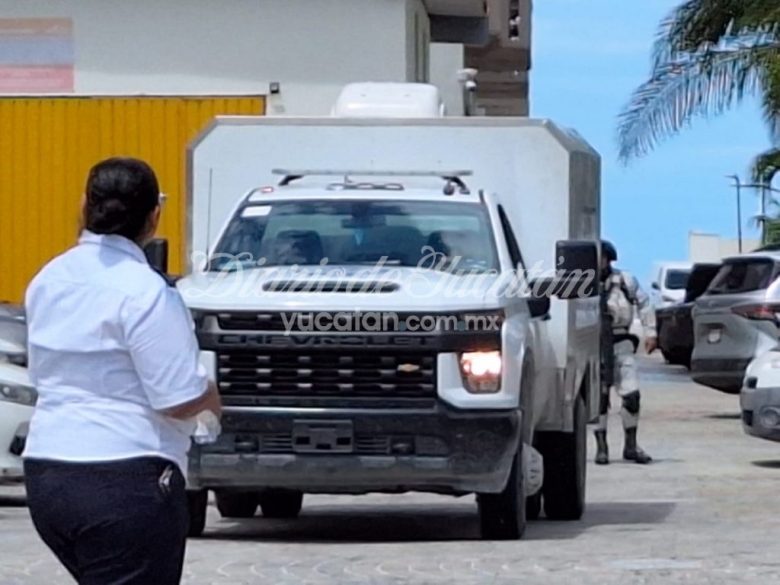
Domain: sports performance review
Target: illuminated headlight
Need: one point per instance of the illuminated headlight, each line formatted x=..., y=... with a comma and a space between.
x=18, y=394
x=481, y=371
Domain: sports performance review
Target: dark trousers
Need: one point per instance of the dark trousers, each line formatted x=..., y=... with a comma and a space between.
x=111, y=523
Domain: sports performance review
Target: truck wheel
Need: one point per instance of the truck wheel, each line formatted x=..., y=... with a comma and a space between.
x=197, y=502
x=237, y=505
x=564, y=468
x=502, y=515
x=533, y=506
x=281, y=504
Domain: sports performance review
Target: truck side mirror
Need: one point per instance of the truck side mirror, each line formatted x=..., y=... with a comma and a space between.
x=157, y=254
x=539, y=307
x=577, y=269
x=655, y=286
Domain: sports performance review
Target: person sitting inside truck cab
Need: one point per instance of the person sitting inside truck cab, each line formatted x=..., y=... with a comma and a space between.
x=623, y=296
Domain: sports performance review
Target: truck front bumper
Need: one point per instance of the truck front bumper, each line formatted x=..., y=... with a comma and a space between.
x=440, y=450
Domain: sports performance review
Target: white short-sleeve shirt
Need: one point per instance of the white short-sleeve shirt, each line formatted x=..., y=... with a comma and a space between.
x=110, y=346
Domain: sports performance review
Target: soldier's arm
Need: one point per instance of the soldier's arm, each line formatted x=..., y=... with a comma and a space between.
x=643, y=304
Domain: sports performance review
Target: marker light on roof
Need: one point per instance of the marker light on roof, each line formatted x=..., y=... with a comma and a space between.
x=267, y=190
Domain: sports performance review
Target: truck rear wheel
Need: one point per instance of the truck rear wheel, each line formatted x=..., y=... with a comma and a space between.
x=197, y=502
x=237, y=505
x=502, y=516
x=565, y=462
x=281, y=504
x=533, y=506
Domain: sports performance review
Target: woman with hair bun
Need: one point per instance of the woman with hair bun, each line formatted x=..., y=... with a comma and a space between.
x=113, y=355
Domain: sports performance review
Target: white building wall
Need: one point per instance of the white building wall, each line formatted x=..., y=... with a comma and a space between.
x=446, y=60
x=202, y=47
x=713, y=248
x=418, y=40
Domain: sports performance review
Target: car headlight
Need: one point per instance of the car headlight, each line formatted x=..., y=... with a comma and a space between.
x=769, y=417
x=18, y=394
x=481, y=371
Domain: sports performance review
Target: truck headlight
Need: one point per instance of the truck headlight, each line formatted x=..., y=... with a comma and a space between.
x=481, y=371
x=18, y=394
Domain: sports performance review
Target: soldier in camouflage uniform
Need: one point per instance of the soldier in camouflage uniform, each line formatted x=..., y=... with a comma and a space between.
x=621, y=297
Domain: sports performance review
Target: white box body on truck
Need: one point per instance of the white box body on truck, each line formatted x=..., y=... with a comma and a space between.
x=358, y=292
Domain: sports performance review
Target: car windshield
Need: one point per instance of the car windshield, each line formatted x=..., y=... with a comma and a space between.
x=448, y=236
x=743, y=275
x=677, y=279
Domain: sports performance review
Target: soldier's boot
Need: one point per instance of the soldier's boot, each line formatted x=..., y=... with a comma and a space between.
x=632, y=451
x=602, y=448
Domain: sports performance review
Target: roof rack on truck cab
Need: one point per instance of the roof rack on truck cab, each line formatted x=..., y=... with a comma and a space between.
x=453, y=178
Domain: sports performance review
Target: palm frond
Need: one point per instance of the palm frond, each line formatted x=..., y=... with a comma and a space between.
x=771, y=98
x=694, y=26
x=697, y=25
x=697, y=84
x=766, y=166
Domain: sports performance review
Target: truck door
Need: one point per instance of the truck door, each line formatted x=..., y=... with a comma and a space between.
x=543, y=351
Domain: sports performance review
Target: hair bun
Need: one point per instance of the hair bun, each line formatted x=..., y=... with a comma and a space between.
x=108, y=216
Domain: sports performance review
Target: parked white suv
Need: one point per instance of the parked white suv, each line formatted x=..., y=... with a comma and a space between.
x=760, y=397
x=17, y=397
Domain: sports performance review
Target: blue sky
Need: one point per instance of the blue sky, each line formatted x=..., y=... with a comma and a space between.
x=588, y=56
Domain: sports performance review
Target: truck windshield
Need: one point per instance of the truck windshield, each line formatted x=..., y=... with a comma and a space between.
x=447, y=236
x=677, y=279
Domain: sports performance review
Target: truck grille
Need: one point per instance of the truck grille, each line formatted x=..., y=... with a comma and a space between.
x=253, y=321
x=341, y=378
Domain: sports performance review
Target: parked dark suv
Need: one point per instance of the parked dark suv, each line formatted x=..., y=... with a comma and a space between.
x=675, y=323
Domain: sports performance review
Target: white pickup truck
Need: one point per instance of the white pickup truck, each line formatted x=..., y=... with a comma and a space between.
x=359, y=289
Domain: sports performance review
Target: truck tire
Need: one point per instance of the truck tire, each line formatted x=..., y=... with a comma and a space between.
x=281, y=504
x=502, y=516
x=237, y=505
x=197, y=502
x=565, y=463
x=533, y=506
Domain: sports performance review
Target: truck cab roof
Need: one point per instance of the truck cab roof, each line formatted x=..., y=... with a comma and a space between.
x=360, y=191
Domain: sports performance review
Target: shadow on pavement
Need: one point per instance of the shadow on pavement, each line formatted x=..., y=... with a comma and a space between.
x=725, y=416
x=768, y=464
x=613, y=513
x=378, y=524
x=388, y=524
x=13, y=502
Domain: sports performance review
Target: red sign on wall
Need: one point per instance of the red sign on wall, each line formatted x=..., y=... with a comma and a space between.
x=37, y=55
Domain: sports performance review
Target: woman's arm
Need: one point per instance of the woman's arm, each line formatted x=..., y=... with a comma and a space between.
x=161, y=339
x=209, y=401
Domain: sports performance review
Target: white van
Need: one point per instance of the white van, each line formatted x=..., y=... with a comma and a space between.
x=670, y=280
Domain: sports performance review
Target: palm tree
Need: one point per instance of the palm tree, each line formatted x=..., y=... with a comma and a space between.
x=708, y=56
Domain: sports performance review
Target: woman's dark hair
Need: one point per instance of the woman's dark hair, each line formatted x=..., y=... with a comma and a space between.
x=121, y=193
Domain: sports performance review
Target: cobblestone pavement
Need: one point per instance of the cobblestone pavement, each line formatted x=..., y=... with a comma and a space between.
x=706, y=512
